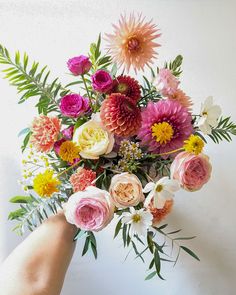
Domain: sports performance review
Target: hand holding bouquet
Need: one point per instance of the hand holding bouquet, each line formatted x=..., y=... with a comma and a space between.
x=108, y=146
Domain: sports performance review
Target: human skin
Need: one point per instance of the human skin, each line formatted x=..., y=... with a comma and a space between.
x=39, y=264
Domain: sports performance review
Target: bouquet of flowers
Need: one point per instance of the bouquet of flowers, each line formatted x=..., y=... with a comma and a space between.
x=107, y=146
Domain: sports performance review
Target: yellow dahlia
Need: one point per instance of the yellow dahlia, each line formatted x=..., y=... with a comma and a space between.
x=132, y=43
x=194, y=144
x=45, y=184
x=69, y=151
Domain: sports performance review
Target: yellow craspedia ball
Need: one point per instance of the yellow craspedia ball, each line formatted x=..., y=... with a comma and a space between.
x=45, y=184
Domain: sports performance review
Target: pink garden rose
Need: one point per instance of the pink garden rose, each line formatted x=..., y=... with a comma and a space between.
x=192, y=171
x=89, y=209
x=166, y=82
x=102, y=81
x=73, y=105
x=79, y=65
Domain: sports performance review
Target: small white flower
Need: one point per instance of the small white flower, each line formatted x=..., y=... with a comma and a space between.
x=210, y=113
x=139, y=220
x=160, y=192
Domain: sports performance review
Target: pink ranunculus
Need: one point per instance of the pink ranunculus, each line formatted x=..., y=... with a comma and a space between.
x=90, y=209
x=68, y=132
x=79, y=65
x=73, y=105
x=166, y=82
x=192, y=171
x=102, y=81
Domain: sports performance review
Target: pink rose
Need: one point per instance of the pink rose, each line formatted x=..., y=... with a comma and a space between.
x=166, y=82
x=192, y=171
x=73, y=105
x=102, y=81
x=89, y=209
x=79, y=65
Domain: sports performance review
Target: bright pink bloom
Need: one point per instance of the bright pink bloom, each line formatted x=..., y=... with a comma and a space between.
x=182, y=98
x=90, y=209
x=175, y=115
x=82, y=179
x=45, y=131
x=192, y=171
x=68, y=132
x=73, y=105
x=166, y=82
x=79, y=65
x=58, y=144
x=102, y=81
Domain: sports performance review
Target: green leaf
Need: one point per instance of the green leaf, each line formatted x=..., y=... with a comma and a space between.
x=190, y=252
x=86, y=246
x=77, y=235
x=184, y=238
x=157, y=261
x=16, y=214
x=118, y=228
x=151, y=275
x=23, y=131
x=21, y=199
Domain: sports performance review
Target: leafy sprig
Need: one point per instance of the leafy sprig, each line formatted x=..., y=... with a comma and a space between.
x=175, y=65
x=224, y=130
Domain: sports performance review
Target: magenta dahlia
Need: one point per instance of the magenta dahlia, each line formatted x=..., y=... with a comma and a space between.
x=120, y=115
x=127, y=86
x=165, y=126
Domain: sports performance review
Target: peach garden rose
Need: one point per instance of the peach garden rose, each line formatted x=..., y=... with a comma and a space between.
x=126, y=190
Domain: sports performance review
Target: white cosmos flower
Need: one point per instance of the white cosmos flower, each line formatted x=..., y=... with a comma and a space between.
x=161, y=191
x=139, y=220
x=209, y=115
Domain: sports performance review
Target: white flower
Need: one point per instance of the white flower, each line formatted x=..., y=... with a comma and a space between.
x=209, y=115
x=160, y=192
x=139, y=220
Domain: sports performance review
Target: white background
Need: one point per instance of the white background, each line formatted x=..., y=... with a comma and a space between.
x=204, y=32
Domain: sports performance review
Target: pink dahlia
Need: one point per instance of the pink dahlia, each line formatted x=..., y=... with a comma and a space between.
x=182, y=98
x=82, y=179
x=127, y=86
x=120, y=115
x=133, y=42
x=45, y=131
x=165, y=126
x=166, y=82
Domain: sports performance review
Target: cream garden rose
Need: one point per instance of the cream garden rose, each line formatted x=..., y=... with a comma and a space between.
x=126, y=190
x=93, y=139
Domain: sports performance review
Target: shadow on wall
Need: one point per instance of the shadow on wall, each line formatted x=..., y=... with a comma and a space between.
x=9, y=173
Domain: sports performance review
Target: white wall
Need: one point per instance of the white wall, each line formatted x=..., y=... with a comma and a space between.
x=204, y=32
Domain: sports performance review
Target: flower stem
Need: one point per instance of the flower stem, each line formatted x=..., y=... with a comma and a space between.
x=167, y=153
x=69, y=168
x=86, y=87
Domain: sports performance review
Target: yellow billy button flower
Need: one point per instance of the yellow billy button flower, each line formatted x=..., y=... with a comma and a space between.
x=45, y=184
x=194, y=144
x=69, y=151
x=163, y=132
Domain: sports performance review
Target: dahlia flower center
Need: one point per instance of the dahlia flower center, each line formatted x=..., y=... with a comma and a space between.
x=136, y=218
x=163, y=132
x=133, y=44
x=122, y=88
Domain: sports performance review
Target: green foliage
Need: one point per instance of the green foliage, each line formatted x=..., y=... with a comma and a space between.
x=90, y=243
x=31, y=81
x=224, y=130
x=149, y=93
x=33, y=211
x=175, y=65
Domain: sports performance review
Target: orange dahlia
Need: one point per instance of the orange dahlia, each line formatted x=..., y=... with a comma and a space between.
x=182, y=98
x=120, y=115
x=127, y=86
x=132, y=43
x=45, y=131
x=160, y=214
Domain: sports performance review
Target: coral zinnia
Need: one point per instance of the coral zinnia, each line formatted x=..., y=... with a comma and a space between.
x=127, y=86
x=45, y=184
x=132, y=43
x=45, y=131
x=160, y=214
x=165, y=126
x=82, y=179
x=120, y=115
